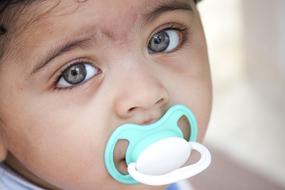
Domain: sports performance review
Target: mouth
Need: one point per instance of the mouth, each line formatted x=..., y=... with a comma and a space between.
x=120, y=156
x=122, y=166
x=184, y=125
x=122, y=145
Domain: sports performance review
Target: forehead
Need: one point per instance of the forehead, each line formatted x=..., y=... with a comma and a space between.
x=61, y=20
x=105, y=15
x=113, y=13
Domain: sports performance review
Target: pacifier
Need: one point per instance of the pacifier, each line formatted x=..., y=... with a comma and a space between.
x=157, y=152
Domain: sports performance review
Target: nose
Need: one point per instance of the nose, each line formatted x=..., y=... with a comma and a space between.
x=142, y=97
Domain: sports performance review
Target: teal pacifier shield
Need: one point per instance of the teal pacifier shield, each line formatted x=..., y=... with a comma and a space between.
x=140, y=137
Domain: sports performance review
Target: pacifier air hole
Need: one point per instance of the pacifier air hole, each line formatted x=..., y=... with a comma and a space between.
x=120, y=156
x=184, y=125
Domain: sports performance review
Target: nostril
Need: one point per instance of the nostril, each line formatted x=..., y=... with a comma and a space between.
x=184, y=125
x=160, y=101
x=132, y=109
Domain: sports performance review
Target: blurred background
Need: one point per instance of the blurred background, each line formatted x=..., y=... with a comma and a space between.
x=247, y=131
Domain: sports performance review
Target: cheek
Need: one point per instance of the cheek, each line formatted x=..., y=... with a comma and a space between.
x=193, y=87
x=198, y=97
x=70, y=143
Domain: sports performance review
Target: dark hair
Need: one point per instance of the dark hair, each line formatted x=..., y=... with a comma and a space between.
x=6, y=12
x=2, y=30
x=9, y=10
x=197, y=1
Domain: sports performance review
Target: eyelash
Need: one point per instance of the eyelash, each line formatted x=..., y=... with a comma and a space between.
x=60, y=74
x=170, y=26
x=185, y=31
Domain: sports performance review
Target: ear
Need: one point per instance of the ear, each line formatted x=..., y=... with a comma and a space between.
x=3, y=150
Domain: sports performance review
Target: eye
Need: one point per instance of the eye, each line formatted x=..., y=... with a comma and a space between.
x=165, y=40
x=76, y=74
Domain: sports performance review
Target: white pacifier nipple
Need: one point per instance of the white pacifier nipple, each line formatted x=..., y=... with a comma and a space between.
x=163, y=156
x=159, y=164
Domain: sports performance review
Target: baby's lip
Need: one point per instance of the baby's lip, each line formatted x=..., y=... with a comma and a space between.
x=149, y=121
x=151, y=118
x=120, y=156
x=122, y=166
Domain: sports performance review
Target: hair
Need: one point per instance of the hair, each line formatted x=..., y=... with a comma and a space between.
x=9, y=10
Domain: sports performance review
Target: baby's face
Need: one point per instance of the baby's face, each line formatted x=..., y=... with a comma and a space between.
x=78, y=70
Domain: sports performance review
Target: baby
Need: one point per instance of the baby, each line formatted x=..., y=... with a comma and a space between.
x=71, y=72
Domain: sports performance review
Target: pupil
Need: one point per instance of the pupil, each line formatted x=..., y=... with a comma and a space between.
x=159, y=42
x=75, y=74
x=157, y=39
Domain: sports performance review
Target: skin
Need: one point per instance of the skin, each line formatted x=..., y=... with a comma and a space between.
x=56, y=137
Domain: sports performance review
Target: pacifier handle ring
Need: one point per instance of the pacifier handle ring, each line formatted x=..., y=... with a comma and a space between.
x=176, y=175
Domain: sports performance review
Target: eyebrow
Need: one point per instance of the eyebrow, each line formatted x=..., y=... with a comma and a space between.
x=71, y=44
x=61, y=48
x=167, y=7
